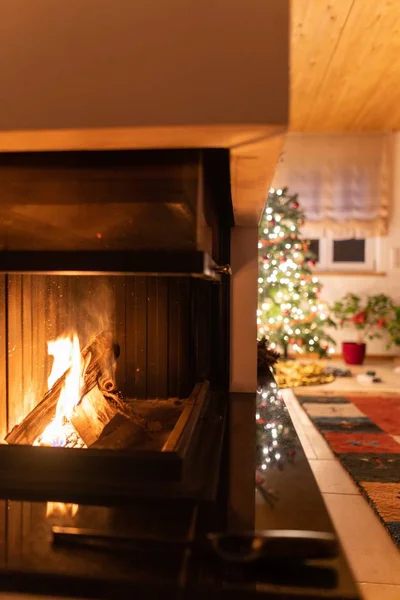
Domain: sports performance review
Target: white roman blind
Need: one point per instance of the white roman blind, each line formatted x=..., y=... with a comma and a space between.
x=343, y=182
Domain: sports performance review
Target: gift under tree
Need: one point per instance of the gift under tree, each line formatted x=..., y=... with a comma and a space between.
x=290, y=311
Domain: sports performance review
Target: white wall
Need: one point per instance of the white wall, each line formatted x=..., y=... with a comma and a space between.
x=336, y=286
x=244, y=262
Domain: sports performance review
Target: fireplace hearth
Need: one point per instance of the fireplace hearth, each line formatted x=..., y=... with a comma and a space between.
x=114, y=317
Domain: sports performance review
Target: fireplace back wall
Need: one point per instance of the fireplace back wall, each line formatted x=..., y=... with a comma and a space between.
x=162, y=325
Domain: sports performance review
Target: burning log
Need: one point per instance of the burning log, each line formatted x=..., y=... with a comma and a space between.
x=97, y=410
x=99, y=356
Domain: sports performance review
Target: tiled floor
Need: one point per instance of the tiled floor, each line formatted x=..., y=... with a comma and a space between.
x=373, y=557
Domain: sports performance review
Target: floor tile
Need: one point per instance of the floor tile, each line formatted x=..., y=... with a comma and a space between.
x=372, y=555
x=379, y=591
x=332, y=478
x=318, y=444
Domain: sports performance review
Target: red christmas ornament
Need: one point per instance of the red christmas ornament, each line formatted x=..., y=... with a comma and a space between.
x=295, y=204
x=312, y=263
x=259, y=480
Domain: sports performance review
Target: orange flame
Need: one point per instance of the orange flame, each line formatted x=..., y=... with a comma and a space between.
x=67, y=357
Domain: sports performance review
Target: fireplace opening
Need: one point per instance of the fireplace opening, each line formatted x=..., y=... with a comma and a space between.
x=102, y=361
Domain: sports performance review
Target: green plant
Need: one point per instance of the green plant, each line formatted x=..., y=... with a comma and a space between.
x=369, y=317
x=393, y=327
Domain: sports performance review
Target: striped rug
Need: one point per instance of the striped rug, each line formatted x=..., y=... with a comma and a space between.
x=364, y=433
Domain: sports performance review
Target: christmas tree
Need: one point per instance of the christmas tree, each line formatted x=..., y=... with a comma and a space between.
x=290, y=311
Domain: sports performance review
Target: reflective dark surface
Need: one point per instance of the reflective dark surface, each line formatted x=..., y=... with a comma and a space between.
x=286, y=498
x=287, y=495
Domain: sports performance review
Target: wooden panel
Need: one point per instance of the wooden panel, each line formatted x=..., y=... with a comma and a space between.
x=360, y=88
x=345, y=62
x=186, y=340
x=316, y=27
x=3, y=360
x=15, y=354
x=157, y=338
x=28, y=350
x=119, y=316
x=174, y=337
x=137, y=337
x=40, y=362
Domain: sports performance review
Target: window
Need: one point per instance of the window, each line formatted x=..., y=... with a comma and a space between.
x=346, y=255
x=348, y=251
x=314, y=248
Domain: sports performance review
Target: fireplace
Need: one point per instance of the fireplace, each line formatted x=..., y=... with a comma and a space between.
x=114, y=320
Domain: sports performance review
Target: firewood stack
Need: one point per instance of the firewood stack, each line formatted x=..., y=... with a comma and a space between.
x=100, y=419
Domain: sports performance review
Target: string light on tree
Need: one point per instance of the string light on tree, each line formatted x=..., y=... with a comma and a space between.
x=291, y=312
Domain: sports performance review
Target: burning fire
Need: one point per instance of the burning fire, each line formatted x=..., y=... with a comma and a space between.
x=67, y=358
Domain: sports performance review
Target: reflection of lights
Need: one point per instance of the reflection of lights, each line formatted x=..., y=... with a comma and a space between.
x=273, y=432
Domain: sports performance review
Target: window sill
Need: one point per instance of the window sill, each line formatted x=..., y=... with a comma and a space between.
x=349, y=274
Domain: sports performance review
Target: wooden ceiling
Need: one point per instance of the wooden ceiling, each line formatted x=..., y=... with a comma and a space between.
x=345, y=65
